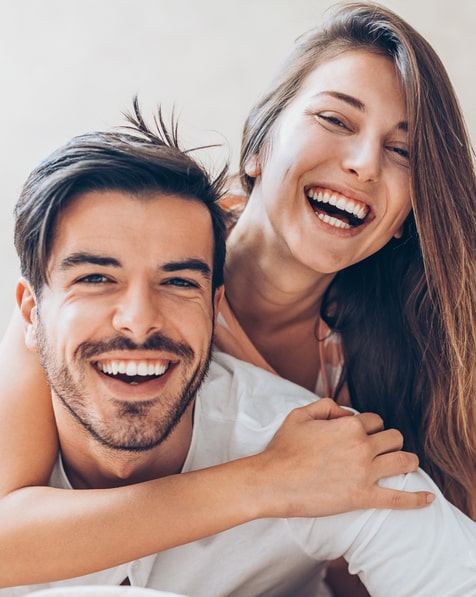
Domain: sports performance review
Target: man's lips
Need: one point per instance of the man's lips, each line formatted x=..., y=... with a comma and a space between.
x=133, y=371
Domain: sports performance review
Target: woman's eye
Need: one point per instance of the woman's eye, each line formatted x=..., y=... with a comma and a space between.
x=404, y=153
x=332, y=120
x=399, y=155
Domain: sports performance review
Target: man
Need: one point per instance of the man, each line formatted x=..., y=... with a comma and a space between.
x=122, y=246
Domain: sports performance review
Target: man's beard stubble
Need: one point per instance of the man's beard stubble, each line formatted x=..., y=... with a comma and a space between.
x=132, y=429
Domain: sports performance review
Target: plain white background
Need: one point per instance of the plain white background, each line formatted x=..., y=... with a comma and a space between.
x=70, y=66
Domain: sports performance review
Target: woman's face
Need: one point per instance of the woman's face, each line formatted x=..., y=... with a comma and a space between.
x=334, y=179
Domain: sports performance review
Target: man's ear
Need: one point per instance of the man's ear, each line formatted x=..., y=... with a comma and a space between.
x=26, y=302
x=253, y=166
x=219, y=294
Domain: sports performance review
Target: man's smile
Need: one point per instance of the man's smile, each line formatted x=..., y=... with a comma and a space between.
x=134, y=371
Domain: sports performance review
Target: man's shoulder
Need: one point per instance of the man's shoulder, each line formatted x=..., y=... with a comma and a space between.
x=235, y=386
x=238, y=410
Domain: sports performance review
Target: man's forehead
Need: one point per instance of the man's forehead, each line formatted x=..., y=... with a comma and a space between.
x=116, y=221
x=115, y=199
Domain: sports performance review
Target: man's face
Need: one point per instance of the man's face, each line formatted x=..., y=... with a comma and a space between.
x=124, y=325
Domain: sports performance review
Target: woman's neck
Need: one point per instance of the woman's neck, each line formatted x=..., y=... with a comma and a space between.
x=276, y=300
x=265, y=285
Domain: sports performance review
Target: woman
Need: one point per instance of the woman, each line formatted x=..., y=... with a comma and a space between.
x=360, y=220
x=405, y=313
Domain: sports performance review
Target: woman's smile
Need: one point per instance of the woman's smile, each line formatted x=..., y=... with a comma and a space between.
x=336, y=209
x=333, y=181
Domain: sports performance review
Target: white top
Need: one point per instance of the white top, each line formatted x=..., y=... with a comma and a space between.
x=420, y=553
x=101, y=591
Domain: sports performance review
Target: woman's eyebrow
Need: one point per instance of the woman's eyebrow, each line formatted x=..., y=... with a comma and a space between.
x=356, y=103
x=349, y=99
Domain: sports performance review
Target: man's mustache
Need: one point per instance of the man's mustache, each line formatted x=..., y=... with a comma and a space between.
x=157, y=341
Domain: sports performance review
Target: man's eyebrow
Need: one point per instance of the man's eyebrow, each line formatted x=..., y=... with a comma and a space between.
x=190, y=264
x=356, y=103
x=91, y=258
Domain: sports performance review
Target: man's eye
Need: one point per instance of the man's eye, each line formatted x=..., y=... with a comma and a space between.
x=93, y=279
x=181, y=283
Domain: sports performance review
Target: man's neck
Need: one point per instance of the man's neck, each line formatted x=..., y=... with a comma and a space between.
x=90, y=465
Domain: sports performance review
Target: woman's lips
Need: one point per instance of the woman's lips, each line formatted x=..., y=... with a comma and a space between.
x=336, y=209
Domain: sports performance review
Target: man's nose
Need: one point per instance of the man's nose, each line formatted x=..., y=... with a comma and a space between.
x=137, y=313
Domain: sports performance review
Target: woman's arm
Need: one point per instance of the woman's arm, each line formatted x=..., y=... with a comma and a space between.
x=28, y=439
x=48, y=534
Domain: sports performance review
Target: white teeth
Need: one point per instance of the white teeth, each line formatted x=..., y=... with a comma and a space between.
x=142, y=368
x=343, y=203
x=333, y=221
x=133, y=368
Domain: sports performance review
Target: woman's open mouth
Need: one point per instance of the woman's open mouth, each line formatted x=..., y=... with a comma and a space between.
x=337, y=210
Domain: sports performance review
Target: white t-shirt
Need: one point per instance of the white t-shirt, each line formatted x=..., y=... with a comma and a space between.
x=419, y=553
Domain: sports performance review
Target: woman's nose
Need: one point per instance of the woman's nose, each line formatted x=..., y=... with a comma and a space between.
x=363, y=160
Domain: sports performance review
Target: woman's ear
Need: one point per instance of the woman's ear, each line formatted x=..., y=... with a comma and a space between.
x=399, y=232
x=217, y=299
x=26, y=302
x=253, y=166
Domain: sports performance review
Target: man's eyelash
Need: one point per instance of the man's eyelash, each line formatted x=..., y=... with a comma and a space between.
x=92, y=279
x=182, y=282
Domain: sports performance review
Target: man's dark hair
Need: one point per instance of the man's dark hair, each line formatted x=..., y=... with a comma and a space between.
x=137, y=159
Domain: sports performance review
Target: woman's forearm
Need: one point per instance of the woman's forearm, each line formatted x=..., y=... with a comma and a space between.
x=48, y=534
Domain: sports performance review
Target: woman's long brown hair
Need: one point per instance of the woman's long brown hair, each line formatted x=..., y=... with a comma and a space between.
x=407, y=315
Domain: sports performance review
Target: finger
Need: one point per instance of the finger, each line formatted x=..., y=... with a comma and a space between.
x=395, y=499
x=371, y=422
x=325, y=408
x=396, y=463
x=386, y=441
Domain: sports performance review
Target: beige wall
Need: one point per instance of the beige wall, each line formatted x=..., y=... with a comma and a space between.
x=67, y=66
